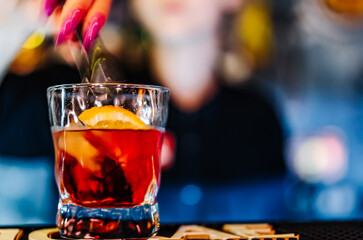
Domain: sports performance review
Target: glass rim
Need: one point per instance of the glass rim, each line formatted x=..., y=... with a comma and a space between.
x=128, y=85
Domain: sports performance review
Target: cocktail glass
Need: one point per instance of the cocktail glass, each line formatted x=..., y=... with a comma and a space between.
x=107, y=140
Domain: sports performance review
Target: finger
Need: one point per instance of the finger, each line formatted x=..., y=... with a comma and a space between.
x=72, y=14
x=49, y=6
x=54, y=19
x=94, y=21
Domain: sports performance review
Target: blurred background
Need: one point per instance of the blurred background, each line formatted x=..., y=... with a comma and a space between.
x=277, y=135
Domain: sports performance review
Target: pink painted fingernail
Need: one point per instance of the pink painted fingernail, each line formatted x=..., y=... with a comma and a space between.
x=49, y=6
x=69, y=24
x=92, y=30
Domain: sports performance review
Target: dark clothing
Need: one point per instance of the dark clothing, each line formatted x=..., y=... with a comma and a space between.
x=235, y=136
x=24, y=121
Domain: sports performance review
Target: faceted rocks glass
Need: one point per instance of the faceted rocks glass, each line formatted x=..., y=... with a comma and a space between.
x=107, y=140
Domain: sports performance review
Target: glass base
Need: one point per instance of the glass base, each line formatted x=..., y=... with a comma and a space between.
x=81, y=222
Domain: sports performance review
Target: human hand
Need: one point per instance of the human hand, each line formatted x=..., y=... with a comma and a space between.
x=91, y=14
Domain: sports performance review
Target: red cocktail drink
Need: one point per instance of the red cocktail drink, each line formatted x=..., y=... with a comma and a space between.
x=107, y=139
x=108, y=167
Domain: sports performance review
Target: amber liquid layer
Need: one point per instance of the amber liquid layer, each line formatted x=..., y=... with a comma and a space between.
x=101, y=168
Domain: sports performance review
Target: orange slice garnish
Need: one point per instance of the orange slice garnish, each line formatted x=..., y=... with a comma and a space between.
x=111, y=117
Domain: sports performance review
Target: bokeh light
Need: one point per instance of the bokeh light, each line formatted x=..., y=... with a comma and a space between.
x=191, y=194
x=321, y=157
